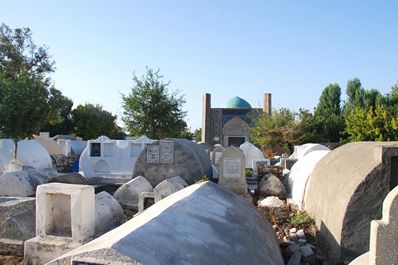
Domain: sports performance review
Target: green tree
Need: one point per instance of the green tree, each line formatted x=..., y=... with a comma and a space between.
x=151, y=109
x=372, y=124
x=198, y=134
x=276, y=130
x=307, y=128
x=92, y=121
x=355, y=96
x=329, y=122
x=59, y=119
x=23, y=84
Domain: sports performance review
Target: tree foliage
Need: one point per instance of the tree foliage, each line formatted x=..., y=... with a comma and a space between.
x=23, y=84
x=276, y=130
x=372, y=124
x=151, y=109
x=59, y=120
x=91, y=121
x=327, y=116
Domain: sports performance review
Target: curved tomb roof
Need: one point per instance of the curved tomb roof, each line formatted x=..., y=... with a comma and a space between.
x=237, y=102
x=302, y=150
x=251, y=153
x=345, y=192
x=201, y=224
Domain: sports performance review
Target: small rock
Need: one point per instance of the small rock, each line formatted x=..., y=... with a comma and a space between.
x=302, y=241
x=271, y=202
x=293, y=230
x=290, y=250
x=295, y=259
x=300, y=233
x=306, y=251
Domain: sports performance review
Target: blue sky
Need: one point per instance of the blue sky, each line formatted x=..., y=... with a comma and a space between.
x=292, y=49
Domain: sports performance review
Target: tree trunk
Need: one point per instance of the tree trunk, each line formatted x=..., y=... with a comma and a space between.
x=15, y=149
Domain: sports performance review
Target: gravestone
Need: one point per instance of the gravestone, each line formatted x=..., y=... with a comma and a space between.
x=260, y=166
x=232, y=170
x=65, y=220
x=173, y=157
x=216, y=155
x=170, y=186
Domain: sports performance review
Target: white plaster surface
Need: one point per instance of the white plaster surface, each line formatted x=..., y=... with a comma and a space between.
x=302, y=150
x=65, y=219
x=201, y=224
x=30, y=153
x=116, y=161
x=251, y=152
x=300, y=173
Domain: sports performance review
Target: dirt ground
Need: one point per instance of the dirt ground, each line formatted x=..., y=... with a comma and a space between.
x=11, y=260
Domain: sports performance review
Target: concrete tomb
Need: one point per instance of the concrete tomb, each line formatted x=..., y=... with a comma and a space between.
x=201, y=224
x=65, y=219
x=173, y=157
x=345, y=193
x=30, y=153
x=147, y=199
x=169, y=186
x=129, y=193
x=108, y=213
x=17, y=224
x=24, y=183
x=383, y=235
x=251, y=152
x=232, y=170
x=111, y=161
x=301, y=172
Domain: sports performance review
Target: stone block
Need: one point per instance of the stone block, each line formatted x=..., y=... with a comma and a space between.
x=108, y=213
x=147, y=199
x=65, y=219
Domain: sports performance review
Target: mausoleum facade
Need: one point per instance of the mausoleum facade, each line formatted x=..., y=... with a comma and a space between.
x=230, y=125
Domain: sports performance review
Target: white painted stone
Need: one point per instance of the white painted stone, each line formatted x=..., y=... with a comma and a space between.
x=169, y=186
x=30, y=153
x=109, y=160
x=302, y=150
x=202, y=224
x=65, y=219
x=251, y=152
x=271, y=202
x=108, y=213
x=301, y=172
x=232, y=170
x=129, y=193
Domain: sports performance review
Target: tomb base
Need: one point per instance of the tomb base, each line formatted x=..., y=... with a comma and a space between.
x=11, y=247
x=38, y=251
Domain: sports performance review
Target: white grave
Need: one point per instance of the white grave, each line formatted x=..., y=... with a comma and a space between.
x=65, y=220
x=232, y=170
x=302, y=150
x=216, y=155
x=112, y=160
x=301, y=172
x=251, y=153
x=30, y=153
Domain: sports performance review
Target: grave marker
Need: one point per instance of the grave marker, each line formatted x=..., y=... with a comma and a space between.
x=232, y=170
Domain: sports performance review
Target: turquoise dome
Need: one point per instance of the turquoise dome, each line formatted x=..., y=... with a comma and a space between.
x=237, y=102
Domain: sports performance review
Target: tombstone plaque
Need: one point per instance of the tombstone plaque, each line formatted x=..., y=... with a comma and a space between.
x=217, y=157
x=152, y=154
x=166, y=152
x=232, y=167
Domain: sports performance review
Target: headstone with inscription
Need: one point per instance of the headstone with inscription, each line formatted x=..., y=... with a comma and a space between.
x=217, y=151
x=232, y=170
x=173, y=157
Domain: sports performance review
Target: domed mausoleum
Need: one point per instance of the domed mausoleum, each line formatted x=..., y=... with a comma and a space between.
x=229, y=125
